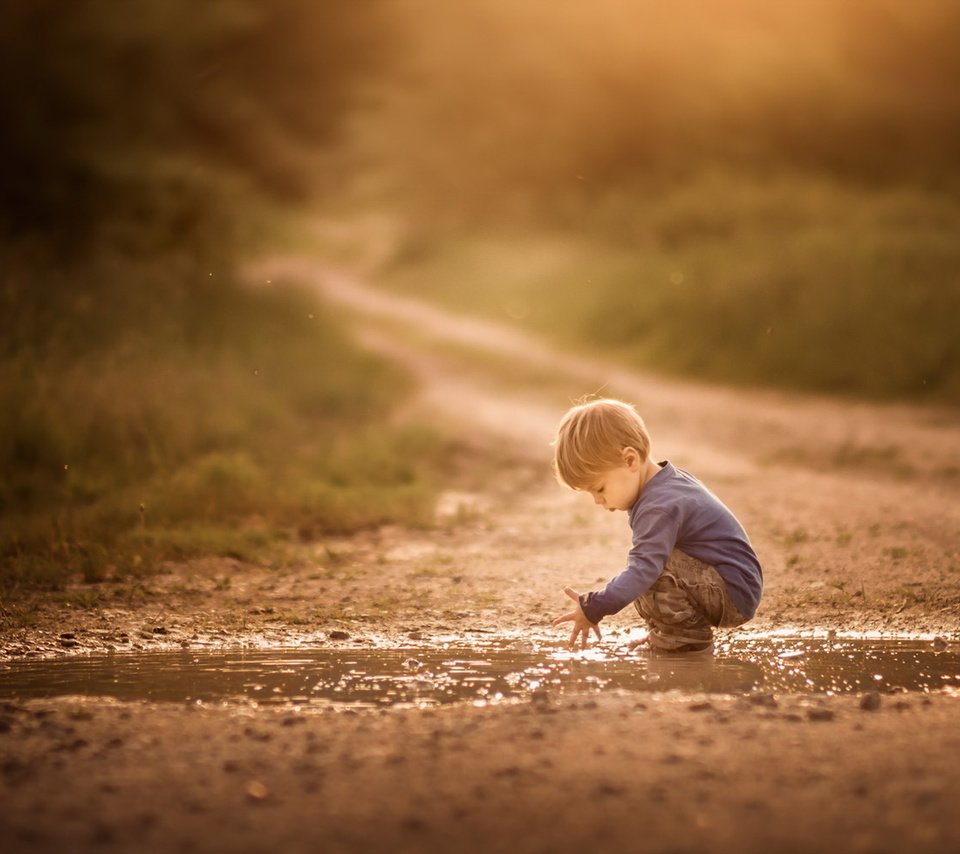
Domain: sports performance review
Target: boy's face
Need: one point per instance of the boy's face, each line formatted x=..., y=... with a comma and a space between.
x=619, y=488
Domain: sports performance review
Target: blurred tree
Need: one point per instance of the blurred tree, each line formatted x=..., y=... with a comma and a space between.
x=135, y=114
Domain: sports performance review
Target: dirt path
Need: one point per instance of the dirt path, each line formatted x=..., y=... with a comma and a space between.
x=853, y=507
x=854, y=512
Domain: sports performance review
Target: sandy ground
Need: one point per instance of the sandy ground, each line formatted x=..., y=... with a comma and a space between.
x=854, y=512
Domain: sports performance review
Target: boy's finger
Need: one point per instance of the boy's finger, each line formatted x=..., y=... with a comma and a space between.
x=572, y=594
x=564, y=619
x=597, y=630
x=573, y=636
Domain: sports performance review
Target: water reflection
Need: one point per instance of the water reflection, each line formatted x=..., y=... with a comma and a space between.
x=485, y=672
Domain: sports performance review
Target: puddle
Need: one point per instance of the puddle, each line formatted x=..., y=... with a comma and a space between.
x=484, y=673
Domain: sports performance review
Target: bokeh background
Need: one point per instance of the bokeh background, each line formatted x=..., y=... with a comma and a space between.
x=738, y=191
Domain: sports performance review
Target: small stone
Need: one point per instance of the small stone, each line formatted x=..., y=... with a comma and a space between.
x=67, y=635
x=68, y=644
x=508, y=771
x=701, y=707
x=256, y=790
x=607, y=789
x=820, y=714
x=415, y=635
x=160, y=630
x=870, y=702
x=766, y=700
x=338, y=634
x=540, y=697
x=250, y=732
x=940, y=644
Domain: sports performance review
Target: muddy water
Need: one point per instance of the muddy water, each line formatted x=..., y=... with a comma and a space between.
x=483, y=673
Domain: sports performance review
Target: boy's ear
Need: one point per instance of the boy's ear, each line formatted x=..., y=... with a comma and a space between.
x=631, y=457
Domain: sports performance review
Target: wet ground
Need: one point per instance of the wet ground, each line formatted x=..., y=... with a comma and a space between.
x=491, y=672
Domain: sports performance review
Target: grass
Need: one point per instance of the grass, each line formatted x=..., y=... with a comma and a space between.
x=175, y=424
x=793, y=281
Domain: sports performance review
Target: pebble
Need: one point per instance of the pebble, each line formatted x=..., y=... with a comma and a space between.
x=820, y=714
x=940, y=644
x=415, y=823
x=540, y=696
x=870, y=702
x=610, y=789
x=338, y=634
x=256, y=790
x=66, y=642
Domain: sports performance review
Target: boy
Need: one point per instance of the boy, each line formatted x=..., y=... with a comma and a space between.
x=691, y=566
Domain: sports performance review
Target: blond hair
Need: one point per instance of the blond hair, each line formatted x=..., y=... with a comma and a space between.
x=591, y=440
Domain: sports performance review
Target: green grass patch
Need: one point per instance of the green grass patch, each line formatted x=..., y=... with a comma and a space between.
x=792, y=282
x=153, y=420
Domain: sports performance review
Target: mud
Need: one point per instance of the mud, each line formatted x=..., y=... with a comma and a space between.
x=488, y=673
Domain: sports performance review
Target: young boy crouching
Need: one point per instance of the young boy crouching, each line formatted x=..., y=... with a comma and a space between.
x=691, y=566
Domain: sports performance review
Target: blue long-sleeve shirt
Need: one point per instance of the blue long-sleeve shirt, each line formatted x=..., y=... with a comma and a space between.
x=676, y=511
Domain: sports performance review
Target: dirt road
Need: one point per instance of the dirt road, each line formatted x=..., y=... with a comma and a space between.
x=853, y=509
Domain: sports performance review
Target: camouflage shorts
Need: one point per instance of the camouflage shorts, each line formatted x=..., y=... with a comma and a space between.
x=685, y=603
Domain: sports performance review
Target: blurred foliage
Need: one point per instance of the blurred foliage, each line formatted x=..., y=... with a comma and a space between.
x=744, y=190
x=170, y=443
x=139, y=115
x=791, y=282
x=152, y=408
x=582, y=99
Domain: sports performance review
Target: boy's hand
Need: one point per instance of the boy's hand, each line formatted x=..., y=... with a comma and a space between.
x=581, y=625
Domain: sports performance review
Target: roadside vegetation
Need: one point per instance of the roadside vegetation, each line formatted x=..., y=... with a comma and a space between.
x=747, y=192
x=795, y=283
x=154, y=408
x=256, y=423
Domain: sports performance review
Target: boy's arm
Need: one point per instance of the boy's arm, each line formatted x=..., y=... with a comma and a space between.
x=654, y=538
x=581, y=625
